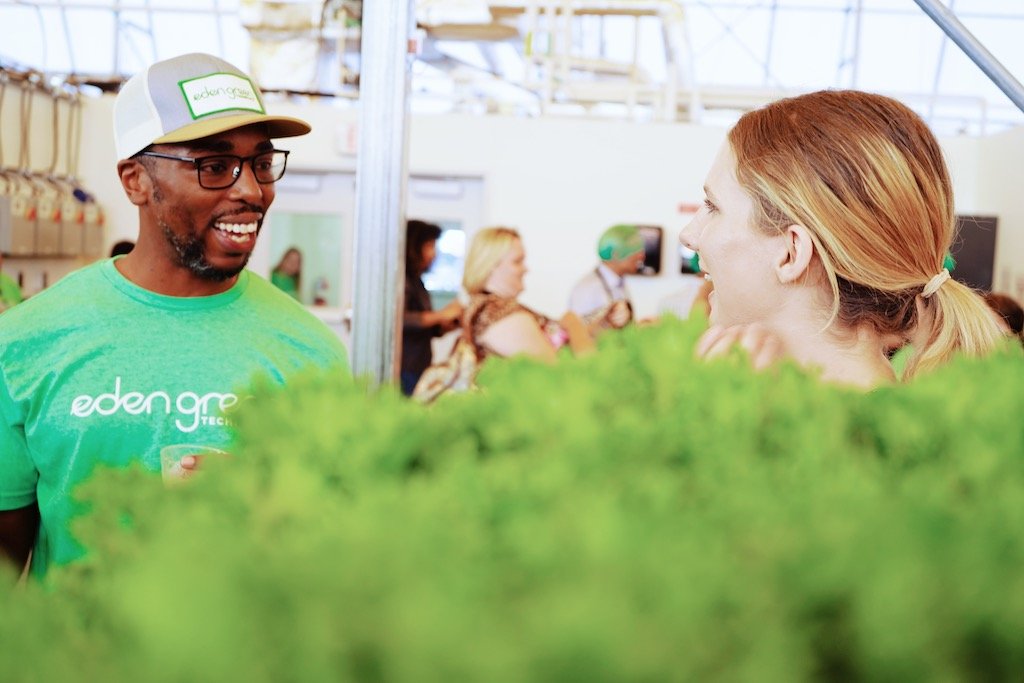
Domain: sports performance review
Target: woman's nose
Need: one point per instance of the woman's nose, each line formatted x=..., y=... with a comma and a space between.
x=688, y=235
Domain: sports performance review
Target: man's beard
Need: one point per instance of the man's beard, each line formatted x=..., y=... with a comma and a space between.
x=191, y=254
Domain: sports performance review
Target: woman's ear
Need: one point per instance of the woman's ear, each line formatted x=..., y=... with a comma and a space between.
x=135, y=180
x=795, y=260
x=925, y=321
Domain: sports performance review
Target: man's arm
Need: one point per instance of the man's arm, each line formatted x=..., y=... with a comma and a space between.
x=18, y=529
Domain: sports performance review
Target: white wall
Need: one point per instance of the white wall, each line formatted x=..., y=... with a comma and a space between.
x=1000, y=188
x=562, y=181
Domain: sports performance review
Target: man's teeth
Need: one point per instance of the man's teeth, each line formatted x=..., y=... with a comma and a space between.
x=239, y=232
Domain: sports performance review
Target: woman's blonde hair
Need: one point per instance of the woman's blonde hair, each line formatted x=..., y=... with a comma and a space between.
x=864, y=175
x=486, y=250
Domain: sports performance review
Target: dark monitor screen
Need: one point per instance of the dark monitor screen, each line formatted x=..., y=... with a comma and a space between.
x=652, y=249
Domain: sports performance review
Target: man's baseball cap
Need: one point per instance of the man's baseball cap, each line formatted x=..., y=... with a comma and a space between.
x=190, y=97
x=619, y=241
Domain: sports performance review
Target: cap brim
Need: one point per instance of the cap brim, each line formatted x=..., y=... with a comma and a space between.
x=277, y=127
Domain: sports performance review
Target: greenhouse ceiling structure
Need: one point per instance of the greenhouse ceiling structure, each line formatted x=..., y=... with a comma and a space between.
x=703, y=61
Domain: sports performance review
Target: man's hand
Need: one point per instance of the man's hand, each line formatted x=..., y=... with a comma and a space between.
x=182, y=469
x=18, y=530
x=619, y=314
x=179, y=462
x=763, y=346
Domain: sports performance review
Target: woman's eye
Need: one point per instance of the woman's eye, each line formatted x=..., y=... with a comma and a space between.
x=709, y=206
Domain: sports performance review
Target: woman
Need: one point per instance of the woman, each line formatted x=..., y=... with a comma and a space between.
x=1010, y=313
x=497, y=323
x=287, y=274
x=825, y=224
x=420, y=323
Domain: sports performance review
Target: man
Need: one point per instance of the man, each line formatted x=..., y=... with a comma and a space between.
x=600, y=297
x=131, y=354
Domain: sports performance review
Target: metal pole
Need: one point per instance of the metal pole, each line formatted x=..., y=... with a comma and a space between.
x=768, y=46
x=999, y=75
x=381, y=175
x=855, y=70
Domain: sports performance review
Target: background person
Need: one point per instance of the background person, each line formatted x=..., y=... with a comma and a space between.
x=600, y=297
x=692, y=295
x=420, y=323
x=10, y=292
x=498, y=324
x=287, y=274
x=121, y=247
x=826, y=221
x=1009, y=311
x=128, y=355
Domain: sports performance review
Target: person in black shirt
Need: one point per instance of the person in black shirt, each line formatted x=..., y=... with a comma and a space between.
x=420, y=323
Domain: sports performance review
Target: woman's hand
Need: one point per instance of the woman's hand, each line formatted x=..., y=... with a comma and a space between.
x=451, y=312
x=451, y=315
x=762, y=345
x=580, y=338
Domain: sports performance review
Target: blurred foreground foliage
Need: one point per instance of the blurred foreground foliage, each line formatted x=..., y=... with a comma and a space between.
x=631, y=516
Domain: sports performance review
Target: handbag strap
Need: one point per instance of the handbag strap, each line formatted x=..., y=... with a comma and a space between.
x=604, y=284
x=611, y=296
x=467, y=329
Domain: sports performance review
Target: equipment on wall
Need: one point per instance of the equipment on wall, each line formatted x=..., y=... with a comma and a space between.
x=44, y=213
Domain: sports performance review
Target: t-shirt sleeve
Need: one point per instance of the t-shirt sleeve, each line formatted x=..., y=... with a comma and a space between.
x=18, y=474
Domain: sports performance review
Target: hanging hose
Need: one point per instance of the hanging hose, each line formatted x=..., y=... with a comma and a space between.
x=25, y=110
x=3, y=168
x=74, y=142
x=3, y=91
x=56, y=94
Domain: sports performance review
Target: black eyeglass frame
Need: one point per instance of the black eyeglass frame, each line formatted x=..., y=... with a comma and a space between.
x=240, y=160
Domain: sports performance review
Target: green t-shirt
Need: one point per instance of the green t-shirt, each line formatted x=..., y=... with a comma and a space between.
x=98, y=370
x=286, y=283
x=10, y=292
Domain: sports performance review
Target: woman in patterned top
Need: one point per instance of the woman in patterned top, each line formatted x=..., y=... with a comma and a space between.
x=497, y=323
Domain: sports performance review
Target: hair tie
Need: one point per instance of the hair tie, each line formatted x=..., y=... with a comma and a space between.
x=934, y=284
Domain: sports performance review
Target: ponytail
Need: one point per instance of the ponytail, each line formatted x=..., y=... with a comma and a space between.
x=953, y=319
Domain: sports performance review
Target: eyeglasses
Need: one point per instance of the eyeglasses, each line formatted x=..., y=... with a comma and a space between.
x=221, y=171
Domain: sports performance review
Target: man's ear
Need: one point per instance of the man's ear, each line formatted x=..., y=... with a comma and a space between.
x=794, y=261
x=135, y=180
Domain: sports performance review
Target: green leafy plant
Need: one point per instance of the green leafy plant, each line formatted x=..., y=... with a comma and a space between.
x=632, y=515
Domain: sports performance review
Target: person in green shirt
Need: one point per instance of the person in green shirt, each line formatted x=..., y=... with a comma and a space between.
x=10, y=292
x=154, y=347
x=287, y=274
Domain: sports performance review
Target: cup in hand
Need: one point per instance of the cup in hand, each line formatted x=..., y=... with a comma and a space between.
x=180, y=461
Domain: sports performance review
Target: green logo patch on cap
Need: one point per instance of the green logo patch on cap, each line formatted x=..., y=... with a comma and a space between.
x=219, y=92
